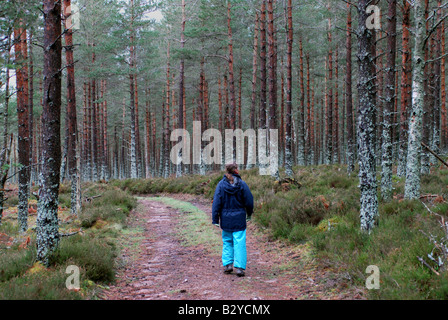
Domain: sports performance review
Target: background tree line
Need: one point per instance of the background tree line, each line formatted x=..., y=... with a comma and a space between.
x=337, y=91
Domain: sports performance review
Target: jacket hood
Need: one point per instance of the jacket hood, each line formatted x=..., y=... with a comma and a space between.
x=232, y=188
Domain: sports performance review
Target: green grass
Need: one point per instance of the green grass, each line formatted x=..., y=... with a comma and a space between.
x=329, y=197
x=94, y=250
x=194, y=228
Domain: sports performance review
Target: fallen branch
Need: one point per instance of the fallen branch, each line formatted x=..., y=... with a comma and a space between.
x=434, y=154
x=89, y=199
x=432, y=212
x=70, y=234
x=426, y=264
x=429, y=196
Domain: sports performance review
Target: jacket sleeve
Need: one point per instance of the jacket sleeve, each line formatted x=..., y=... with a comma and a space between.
x=217, y=205
x=249, y=200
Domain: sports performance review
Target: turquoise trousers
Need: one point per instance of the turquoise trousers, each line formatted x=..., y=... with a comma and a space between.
x=234, y=249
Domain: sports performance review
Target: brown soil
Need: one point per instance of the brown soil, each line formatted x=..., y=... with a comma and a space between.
x=163, y=268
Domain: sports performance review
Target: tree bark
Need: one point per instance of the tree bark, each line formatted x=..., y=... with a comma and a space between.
x=231, y=79
x=47, y=229
x=263, y=67
x=330, y=99
x=133, y=150
x=406, y=87
x=288, y=135
x=386, y=173
x=71, y=110
x=180, y=117
x=428, y=103
x=412, y=184
x=23, y=119
x=272, y=87
x=435, y=142
x=349, y=95
x=6, y=147
x=366, y=120
x=251, y=147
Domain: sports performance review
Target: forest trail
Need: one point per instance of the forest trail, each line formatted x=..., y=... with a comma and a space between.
x=164, y=268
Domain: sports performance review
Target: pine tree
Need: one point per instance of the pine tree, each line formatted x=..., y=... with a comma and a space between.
x=288, y=149
x=386, y=176
x=366, y=120
x=47, y=229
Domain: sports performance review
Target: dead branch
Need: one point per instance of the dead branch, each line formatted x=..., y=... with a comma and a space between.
x=70, y=234
x=89, y=199
x=434, y=154
x=426, y=264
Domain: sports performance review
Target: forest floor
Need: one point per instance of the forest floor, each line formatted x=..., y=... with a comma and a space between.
x=160, y=259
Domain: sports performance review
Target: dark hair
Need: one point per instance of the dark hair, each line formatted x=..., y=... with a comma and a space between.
x=231, y=168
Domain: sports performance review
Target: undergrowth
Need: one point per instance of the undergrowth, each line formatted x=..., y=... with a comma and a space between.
x=324, y=212
x=93, y=249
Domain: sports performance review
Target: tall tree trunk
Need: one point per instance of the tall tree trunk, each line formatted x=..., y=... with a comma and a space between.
x=443, y=114
x=288, y=135
x=71, y=111
x=94, y=125
x=252, y=147
x=349, y=96
x=31, y=108
x=412, y=184
x=240, y=88
x=263, y=67
x=148, y=135
x=137, y=128
x=263, y=81
x=122, y=174
x=105, y=135
x=366, y=120
x=47, y=229
x=301, y=160
x=23, y=119
x=406, y=87
x=134, y=172
x=386, y=173
x=6, y=147
x=428, y=97
x=330, y=99
x=336, y=143
x=435, y=142
x=272, y=88
x=231, y=79
x=180, y=115
x=166, y=157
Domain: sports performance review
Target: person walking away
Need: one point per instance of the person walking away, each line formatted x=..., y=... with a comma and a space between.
x=233, y=205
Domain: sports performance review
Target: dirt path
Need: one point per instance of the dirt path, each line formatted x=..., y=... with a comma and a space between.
x=163, y=268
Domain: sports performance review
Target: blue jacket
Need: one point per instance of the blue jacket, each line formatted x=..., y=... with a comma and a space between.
x=231, y=203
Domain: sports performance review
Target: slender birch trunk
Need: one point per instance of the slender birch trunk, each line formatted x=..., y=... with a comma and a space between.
x=412, y=184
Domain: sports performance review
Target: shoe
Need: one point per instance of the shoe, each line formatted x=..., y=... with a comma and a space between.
x=239, y=272
x=228, y=268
